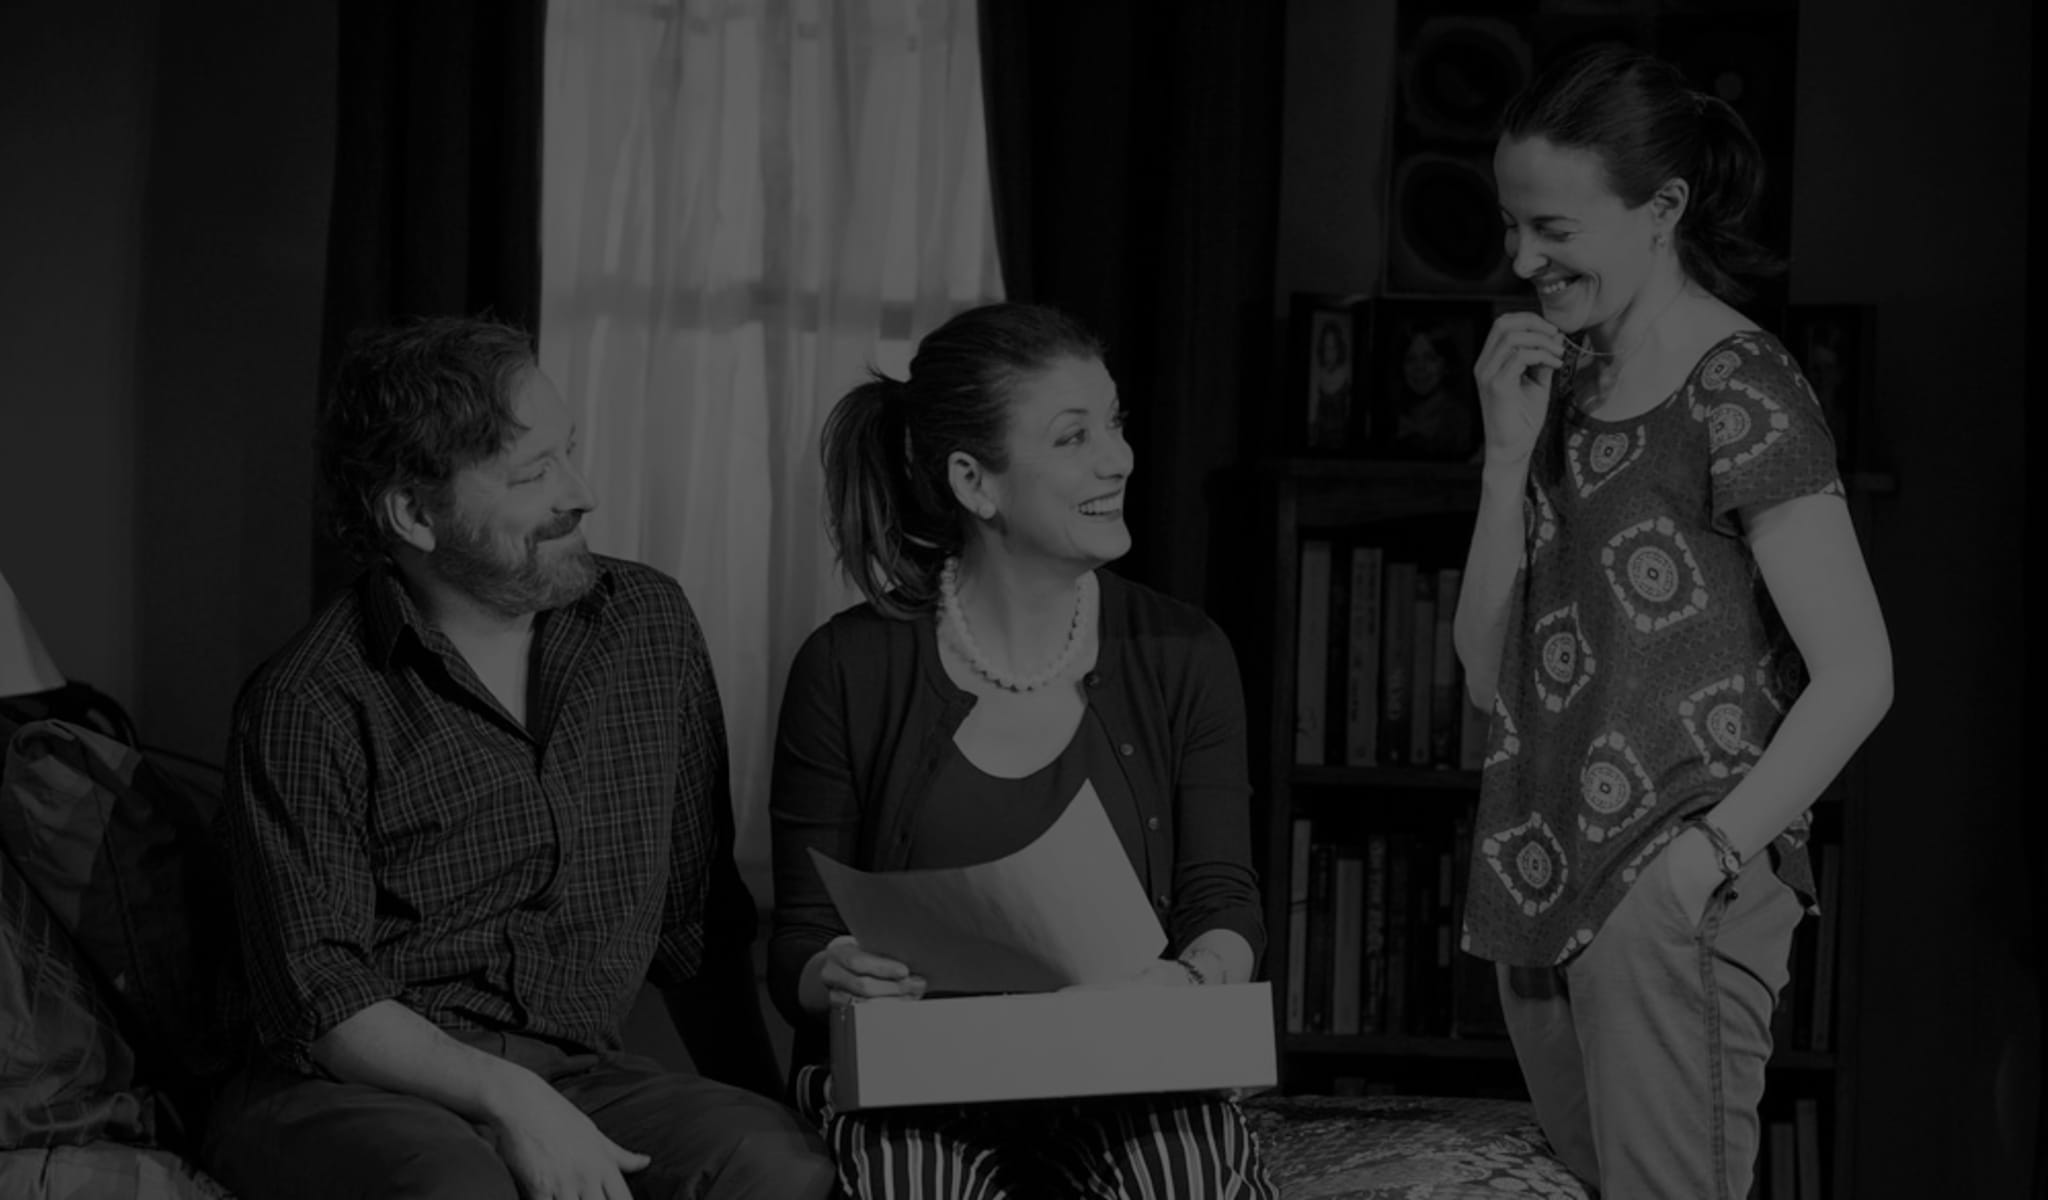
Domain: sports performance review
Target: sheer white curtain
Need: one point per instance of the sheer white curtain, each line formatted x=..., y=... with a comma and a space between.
x=745, y=203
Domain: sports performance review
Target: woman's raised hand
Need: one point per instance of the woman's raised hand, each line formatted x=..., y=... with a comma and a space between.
x=850, y=973
x=1522, y=352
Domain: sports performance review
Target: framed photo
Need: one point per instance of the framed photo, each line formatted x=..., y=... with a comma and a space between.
x=1422, y=403
x=1834, y=346
x=1328, y=352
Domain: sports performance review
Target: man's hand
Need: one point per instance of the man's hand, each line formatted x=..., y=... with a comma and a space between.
x=552, y=1149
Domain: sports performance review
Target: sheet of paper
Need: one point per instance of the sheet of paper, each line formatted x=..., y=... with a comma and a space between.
x=1066, y=909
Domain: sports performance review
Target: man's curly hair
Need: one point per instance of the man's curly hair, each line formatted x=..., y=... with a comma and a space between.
x=410, y=405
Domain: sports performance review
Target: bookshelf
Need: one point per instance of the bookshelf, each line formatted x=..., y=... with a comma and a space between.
x=1441, y=1040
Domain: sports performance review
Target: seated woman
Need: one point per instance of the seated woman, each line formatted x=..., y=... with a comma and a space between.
x=949, y=720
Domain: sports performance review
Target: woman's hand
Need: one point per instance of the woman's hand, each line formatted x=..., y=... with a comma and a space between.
x=1514, y=370
x=846, y=973
x=1695, y=874
x=1165, y=972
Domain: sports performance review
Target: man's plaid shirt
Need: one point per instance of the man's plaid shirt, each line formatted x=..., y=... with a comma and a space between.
x=394, y=834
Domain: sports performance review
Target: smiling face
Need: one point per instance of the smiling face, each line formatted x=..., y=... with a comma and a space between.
x=1062, y=496
x=1422, y=367
x=506, y=532
x=1588, y=254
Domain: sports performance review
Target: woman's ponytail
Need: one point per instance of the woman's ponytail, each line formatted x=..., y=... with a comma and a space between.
x=890, y=507
x=1648, y=126
x=1727, y=178
x=873, y=513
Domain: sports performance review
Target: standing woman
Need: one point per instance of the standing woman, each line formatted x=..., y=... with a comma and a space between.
x=1667, y=613
x=948, y=720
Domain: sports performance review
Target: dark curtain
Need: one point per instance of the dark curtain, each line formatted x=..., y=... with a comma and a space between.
x=1134, y=148
x=436, y=206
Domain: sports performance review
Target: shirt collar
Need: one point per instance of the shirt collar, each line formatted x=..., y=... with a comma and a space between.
x=390, y=613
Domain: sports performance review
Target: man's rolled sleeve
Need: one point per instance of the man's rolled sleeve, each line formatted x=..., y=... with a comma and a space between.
x=708, y=919
x=296, y=797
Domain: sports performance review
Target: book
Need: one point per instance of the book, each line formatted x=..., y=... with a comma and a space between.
x=1312, y=645
x=1397, y=661
x=1321, y=939
x=1444, y=695
x=1348, y=933
x=1373, y=1009
x=1784, y=1167
x=1400, y=897
x=1806, y=1123
x=1297, y=925
x=1362, y=724
x=1422, y=674
x=1827, y=861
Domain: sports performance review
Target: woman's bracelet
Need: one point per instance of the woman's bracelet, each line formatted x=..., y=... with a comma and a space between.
x=1200, y=977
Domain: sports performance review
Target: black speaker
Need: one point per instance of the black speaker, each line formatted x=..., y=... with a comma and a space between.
x=1446, y=228
x=1461, y=61
x=1457, y=73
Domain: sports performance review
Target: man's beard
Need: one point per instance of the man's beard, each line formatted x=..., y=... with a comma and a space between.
x=513, y=581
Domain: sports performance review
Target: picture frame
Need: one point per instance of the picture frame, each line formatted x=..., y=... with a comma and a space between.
x=1329, y=341
x=1834, y=345
x=1423, y=404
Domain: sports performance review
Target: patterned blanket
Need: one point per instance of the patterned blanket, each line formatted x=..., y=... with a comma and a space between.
x=1405, y=1148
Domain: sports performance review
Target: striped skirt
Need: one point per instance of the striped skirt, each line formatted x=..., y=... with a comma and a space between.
x=1167, y=1147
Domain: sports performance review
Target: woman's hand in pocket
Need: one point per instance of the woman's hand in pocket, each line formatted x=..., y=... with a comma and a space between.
x=1695, y=873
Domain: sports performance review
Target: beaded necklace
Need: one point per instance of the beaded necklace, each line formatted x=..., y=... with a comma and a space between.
x=954, y=618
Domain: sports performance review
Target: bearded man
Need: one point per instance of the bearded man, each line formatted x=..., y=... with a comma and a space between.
x=470, y=808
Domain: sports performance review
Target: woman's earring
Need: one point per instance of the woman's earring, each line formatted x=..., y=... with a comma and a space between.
x=986, y=511
x=1657, y=242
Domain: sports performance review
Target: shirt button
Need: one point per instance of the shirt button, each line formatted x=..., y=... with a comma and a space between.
x=1151, y=822
x=1127, y=749
x=1160, y=900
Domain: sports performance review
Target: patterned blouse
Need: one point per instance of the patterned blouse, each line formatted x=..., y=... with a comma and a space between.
x=1651, y=668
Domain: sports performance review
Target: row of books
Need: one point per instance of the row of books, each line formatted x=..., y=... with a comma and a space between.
x=1373, y=927
x=1789, y=1160
x=1804, y=1019
x=1377, y=680
x=1372, y=936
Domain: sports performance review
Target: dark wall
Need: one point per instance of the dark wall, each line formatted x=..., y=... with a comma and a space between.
x=1910, y=193
x=234, y=251
x=74, y=134
x=163, y=226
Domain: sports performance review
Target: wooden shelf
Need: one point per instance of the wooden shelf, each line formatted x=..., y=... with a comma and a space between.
x=1386, y=778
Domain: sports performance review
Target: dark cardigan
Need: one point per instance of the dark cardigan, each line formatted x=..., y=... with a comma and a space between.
x=869, y=712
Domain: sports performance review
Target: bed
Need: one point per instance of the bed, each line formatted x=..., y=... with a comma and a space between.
x=1405, y=1148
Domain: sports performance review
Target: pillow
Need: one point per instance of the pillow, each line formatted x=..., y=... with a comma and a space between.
x=103, y=1171
x=66, y=1074
x=118, y=851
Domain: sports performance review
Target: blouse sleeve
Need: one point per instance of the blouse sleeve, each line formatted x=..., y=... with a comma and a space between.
x=1214, y=883
x=1769, y=440
x=812, y=805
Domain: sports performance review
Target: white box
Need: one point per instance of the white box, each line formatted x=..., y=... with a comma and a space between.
x=1085, y=1042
